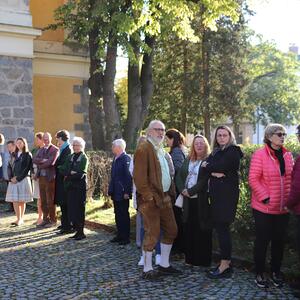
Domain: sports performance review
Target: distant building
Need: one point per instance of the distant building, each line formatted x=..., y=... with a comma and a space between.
x=43, y=82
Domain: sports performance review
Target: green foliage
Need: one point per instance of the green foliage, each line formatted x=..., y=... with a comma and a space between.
x=274, y=90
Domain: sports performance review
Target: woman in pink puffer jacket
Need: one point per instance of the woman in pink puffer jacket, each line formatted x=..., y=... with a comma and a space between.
x=270, y=182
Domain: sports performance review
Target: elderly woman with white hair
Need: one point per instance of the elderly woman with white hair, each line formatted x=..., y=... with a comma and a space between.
x=75, y=170
x=120, y=190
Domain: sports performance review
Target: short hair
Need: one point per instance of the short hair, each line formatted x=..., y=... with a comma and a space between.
x=63, y=134
x=25, y=149
x=151, y=124
x=120, y=143
x=177, y=136
x=2, y=139
x=80, y=141
x=39, y=135
x=232, y=140
x=49, y=134
x=298, y=130
x=270, y=130
x=192, y=154
x=10, y=142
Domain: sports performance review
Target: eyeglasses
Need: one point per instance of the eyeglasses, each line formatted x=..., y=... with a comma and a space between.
x=280, y=134
x=159, y=129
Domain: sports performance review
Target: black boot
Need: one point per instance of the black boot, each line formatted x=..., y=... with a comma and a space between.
x=80, y=233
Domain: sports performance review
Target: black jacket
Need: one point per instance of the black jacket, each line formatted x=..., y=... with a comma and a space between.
x=20, y=166
x=224, y=192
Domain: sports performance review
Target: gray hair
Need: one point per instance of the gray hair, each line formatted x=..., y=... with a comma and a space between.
x=271, y=129
x=152, y=123
x=80, y=141
x=120, y=143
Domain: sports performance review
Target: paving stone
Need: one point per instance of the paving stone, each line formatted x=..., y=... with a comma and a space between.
x=38, y=264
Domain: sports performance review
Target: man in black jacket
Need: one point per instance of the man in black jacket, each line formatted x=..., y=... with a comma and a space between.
x=60, y=196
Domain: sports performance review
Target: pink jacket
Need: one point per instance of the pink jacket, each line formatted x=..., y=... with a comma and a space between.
x=266, y=182
x=293, y=202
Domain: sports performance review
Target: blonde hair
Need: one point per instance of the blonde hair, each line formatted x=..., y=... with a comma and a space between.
x=193, y=154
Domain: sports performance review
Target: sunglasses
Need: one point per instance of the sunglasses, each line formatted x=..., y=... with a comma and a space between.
x=280, y=134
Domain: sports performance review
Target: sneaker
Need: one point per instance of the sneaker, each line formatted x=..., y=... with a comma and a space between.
x=277, y=279
x=261, y=281
x=141, y=262
x=168, y=271
x=151, y=275
x=157, y=259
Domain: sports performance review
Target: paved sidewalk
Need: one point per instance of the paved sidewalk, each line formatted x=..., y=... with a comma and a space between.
x=38, y=264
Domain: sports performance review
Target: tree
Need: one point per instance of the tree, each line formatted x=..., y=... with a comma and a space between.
x=135, y=26
x=274, y=90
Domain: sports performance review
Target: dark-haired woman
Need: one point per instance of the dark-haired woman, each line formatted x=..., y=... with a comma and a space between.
x=175, y=140
x=60, y=196
x=223, y=167
x=19, y=190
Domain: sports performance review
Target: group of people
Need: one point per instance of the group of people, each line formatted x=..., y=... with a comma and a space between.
x=54, y=175
x=183, y=196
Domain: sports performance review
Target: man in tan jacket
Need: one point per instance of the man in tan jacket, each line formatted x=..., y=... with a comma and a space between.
x=154, y=186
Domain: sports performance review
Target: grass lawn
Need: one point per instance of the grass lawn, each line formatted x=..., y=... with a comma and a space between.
x=96, y=213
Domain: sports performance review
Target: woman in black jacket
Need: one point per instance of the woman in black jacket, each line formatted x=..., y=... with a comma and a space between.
x=60, y=196
x=191, y=181
x=223, y=167
x=19, y=190
x=74, y=171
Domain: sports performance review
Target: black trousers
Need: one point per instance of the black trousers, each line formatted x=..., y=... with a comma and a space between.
x=298, y=235
x=269, y=228
x=224, y=239
x=178, y=244
x=65, y=221
x=122, y=219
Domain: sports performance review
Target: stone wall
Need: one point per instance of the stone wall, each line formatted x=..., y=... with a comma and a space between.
x=16, y=103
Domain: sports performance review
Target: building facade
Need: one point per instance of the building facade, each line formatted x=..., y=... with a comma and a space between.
x=43, y=82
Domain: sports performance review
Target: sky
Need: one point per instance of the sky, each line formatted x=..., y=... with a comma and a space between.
x=277, y=20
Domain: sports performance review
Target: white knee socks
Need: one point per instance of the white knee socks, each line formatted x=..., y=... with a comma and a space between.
x=147, y=261
x=165, y=255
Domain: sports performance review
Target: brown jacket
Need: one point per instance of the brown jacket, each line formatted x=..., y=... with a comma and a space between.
x=147, y=175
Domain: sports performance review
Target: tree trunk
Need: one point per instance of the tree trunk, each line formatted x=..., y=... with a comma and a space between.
x=140, y=91
x=95, y=83
x=205, y=87
x=185, y=92
x=134, y=99
x=112, y=115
